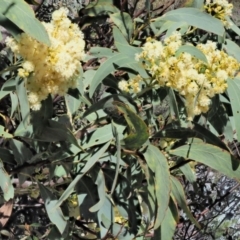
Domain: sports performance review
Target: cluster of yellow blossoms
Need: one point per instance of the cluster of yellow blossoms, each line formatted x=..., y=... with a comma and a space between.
x=134, y=85
x=197, y=81
x=219, y=9
x=50, y=69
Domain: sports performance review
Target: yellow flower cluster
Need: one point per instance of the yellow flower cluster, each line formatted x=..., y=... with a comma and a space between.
x=219, y=9
x=50, y=69
x=197, y=81
x=134, y=85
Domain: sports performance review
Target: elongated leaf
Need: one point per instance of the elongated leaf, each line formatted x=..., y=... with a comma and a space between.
x=101, y=135
x=12, y=28
x=7, y=87
x=5, y=183
x=118, y=155
x=72, y=104
x=221, y=122
x=120, y=232
x=23, y=100
x=100, y=52
x=168, y=226
x=233, y=93
x=4, y=134
x=178, y=193
x=197, y=4
x=158, y=164
x=124, y=22
x=7, y=156
x=196, y=18
x=175, y=26
x=20, y=151
x=55, y=132
x=165, y=26
x=86, y=168
x=174, y=131
x=20, y=13
x=54, y=213
x=105, y=215
x=188, y=173
x=98, y=105
x=14, y=103
x=111, y=64
x=211, y=156
x=102, y=7
x=173, y=104
x=122, y=44
x=232, y=49
x=193, y=51
x=87, y=193
x=138, y=129
x=233, y=26
x=100, y=181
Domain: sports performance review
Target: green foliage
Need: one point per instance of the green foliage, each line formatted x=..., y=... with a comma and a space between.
x=20, y=13
x=110, y=163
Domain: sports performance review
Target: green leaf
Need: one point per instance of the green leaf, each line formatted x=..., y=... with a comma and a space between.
x=54, y=213
x=4, y=134
x=158, y=164
x=87, y=79
x=170, y=27
x=5, y=183
x=20, y=151
x=54, y=234
x=9, y=85
x=100, y=135
x=219, y=119
x=90, y=163
x=23, y=100
x=60, y=171
x=188, y=173
x=193, y=51
x=100, y=182
x=197, y=4
x=111, y=64
x=169, y=223
x=55, y=132
x=72, y=103
x=121, y=233
x=102, y=7
x=118, y=155
x=105, y=215
x=100, y=52
x=211, y=156
x=20, y=13
x=233, y=93
x=106, y=68
x=87, y=193
x=122, y=44
x=173, y=104
x=138, y=131
x=232, y=49
x=196, y=18
x=98, y=105
x=233, y=26
x=13, y=29
x=7, y=156
x=178, y=193
x=196, y=130
x=14, y=103
x=174, y=26
x=124, y=22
